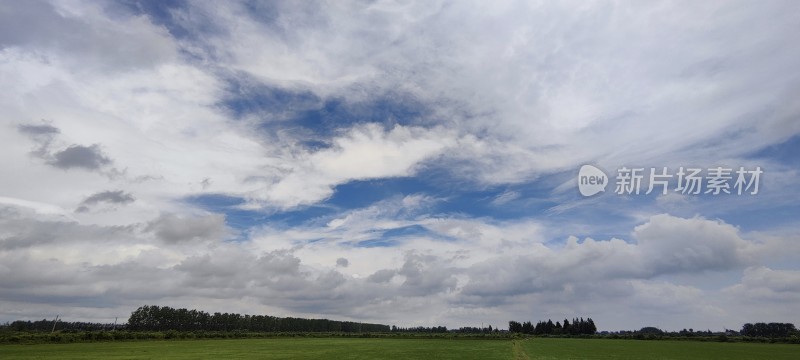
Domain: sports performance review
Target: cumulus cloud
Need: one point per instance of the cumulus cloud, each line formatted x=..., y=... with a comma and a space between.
x=39, y=130
x=365, y=152
x=671, y=244
x=664, y=245
x=41, y=208
x=425, y=275
x=79, y=156
x=74, y=156
x=117, y=197
x=382, y=276
x=172, y=228
x=762, y=283
x=84, y=35
x=42, y=134
x=128, y=265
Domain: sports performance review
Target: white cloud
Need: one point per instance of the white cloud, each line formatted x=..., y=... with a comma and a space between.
x=427, y=280
x=762, y=283
x=41, y=208
x=173, y=228
x=363, y=153
x=84, y=36
x=159, y=125
x=505, y=198
x=671, y=244
x=548, y=99
x=547, y=87
x=664, y=245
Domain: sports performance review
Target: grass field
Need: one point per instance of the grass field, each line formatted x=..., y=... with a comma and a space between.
x=591, y=349
x=281, y=348
x=333, y=348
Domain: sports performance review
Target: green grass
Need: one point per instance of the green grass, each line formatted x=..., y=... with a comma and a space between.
x=355, y=348
x=279, y=348
x=596, y=349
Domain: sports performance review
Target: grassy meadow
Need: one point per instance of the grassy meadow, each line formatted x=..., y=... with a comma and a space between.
x=354, y=348
x=597, y=349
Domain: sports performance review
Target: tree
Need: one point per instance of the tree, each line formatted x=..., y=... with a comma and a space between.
x=772, y=330
x=651, y=330
x=577, y=326
x=590, y=327
x=527, y=327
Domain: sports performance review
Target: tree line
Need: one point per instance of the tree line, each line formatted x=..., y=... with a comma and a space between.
x=163, y=318
x=419, y=329
x=771, y=330
x=476, y=330
x=151, y=318
x=45, y=325
x=578, y=326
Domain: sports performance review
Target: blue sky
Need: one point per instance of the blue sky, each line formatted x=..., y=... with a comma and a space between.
x=405, y=163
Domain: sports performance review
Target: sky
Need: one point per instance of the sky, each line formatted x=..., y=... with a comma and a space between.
x=399, y=162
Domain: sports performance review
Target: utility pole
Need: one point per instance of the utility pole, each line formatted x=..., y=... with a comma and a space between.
x=54, y=324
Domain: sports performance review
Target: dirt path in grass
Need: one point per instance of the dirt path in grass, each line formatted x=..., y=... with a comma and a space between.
x=519, y=352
